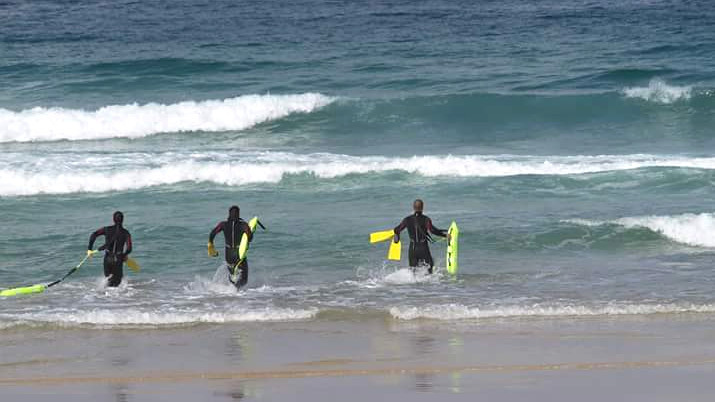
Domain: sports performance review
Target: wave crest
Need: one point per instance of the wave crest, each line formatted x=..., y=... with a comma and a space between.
x=691, y=229
x=102, y=174
x=133, y=121
x=658, y=91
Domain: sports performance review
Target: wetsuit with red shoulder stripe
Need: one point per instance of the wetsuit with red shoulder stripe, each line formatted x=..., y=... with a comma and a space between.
x=117, y=245
x=233, y=230
x=419, y=227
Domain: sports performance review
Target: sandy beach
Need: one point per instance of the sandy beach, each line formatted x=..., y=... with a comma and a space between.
x=653, y=358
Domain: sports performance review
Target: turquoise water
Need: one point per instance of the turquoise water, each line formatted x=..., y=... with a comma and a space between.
x=571, y=142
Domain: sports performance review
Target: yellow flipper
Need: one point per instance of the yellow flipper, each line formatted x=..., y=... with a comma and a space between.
x=132, y=264
x=385, y=235
x=395, y=251
x=212, y=250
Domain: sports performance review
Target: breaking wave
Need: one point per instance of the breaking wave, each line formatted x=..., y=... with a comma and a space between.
x=690, y=229
x=20, y=175
x=658, y=91
x=133, y=121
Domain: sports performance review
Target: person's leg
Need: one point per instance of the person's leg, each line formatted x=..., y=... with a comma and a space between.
x=242, y=274
x=117, y=274
x=113, y=270
x=231, y=260
x=108, y=260
x=428, y=258
x=412, y=256
x=422, y=256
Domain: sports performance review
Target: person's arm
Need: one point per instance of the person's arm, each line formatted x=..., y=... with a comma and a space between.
x=432, y=229
x=211, y=249
x=398, y=229
x=128, y=245
x=93, y=237
x=215, y=231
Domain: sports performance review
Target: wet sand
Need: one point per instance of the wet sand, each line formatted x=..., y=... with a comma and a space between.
x=653, y=358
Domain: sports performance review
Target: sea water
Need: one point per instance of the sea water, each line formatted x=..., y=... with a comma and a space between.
x=571, y=141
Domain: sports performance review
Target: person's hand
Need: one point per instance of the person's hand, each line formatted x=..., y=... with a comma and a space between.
x=396, y=238
x=449, y=237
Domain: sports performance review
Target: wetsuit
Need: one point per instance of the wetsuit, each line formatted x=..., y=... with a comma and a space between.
x=419, y=227
x=116, y=238
x=233, y=230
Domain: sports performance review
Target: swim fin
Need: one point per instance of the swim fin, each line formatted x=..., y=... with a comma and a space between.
x=212, y=250
x=132, y=264
x=395, y=251
x=385, y=235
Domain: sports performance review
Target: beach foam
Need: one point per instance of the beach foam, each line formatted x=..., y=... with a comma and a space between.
x=167, y=316
x=461, y=312
x=133, y=121
x=388, y=276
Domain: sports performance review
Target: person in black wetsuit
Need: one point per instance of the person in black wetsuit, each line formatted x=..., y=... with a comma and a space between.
x=419, y=227
x=117, y=246
x=233, y=229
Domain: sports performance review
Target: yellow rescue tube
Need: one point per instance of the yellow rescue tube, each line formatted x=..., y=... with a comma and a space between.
x=23, y=291
x=243, y=245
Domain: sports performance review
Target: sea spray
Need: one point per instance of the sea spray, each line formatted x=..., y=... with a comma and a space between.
x=658, y=91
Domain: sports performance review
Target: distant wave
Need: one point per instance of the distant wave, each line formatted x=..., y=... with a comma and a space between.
x=137, y=317
x=461, y=312
x=692, y=229
x=133, y=121
x=135, y=171
x=658, y=91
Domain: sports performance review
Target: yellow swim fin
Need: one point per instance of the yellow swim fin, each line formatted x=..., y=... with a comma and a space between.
x=385, y=235
x=395, y=251
x=132, y=264
x=212, y=250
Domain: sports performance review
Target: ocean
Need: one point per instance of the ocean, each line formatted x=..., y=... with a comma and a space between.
x=571, y=141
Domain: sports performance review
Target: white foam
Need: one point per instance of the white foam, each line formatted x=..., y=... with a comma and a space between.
x=132, y=121
x=406, y=276
x=387, y=276
x=691, y=229
x=658, y=91
x=134, y=316
x=461, y=312
x=202, y=286
x=20, y=174
x=218, y=284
